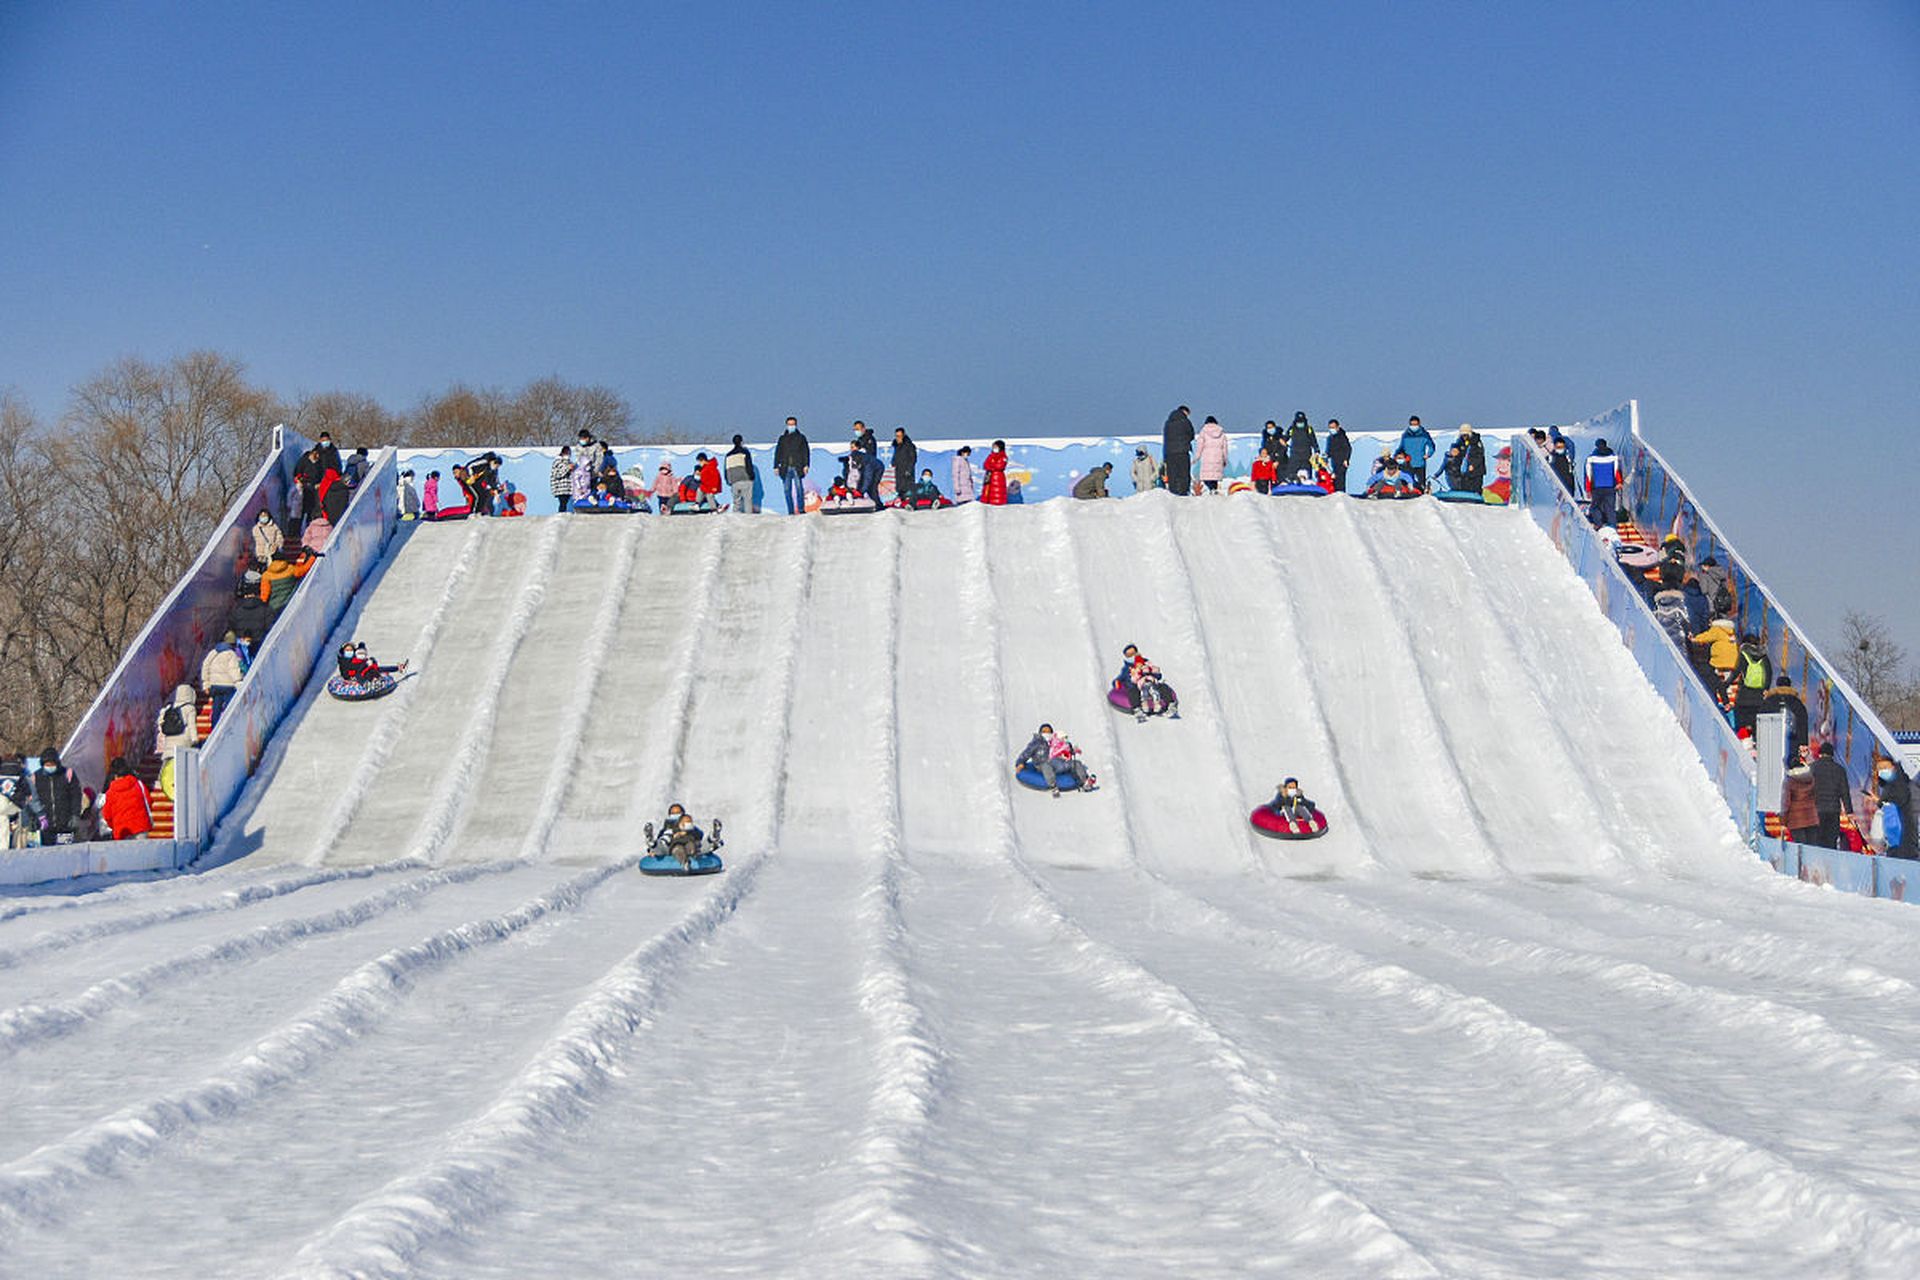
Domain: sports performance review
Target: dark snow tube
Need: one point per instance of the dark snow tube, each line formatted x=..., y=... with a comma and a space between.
x=1117, y=699
x=361, y=690
x=692, y=509
x=1460, y=495
x=1030, y=777
x=614, y=508
x=665, y=864
x=1272, y=825
x=1298, y=491
x=851, y=509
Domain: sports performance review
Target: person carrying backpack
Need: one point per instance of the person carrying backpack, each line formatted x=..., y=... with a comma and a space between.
x=176, y=727
x=1752, y=677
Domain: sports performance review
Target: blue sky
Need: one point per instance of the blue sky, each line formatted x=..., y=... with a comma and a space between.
x=1001, y=219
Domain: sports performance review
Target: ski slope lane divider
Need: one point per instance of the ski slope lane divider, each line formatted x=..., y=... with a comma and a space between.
x=232, y=900
x=387, y=734
x=473, y=1179
x=1734, y=1165
x=452, y=794
x=32, y=1187
x=28, y=1025
x=599, y=642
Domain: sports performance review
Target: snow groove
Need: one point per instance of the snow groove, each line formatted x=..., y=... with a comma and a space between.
x=28, y=1025
x=32, y=1187
x=232, y=900
x=388, y=732
x=382, y=1235
x=911, y=1064
x=452, y=794
x=1731, y=1164
x=599, y=643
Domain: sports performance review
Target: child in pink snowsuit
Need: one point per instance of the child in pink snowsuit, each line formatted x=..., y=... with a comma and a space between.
x=665, y=486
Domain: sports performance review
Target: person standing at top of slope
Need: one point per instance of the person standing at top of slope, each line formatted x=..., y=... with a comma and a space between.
x=1561, y=462
x=1301, y=446
x=1212, y=451
x=906, y=460
x=560, y=478
x=791, y=454
x=1052, y=755
x=1603, y=484
x=1176, y=443
x=871, y=468
x=1146, y=472
x=740, y=476
x=994, y=494
x=1339, y=454
x=1895, y=791
x=963, y=490
x=1417, y=443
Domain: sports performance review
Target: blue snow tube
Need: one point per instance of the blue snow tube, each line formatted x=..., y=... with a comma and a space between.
x=361, y=690
x=1296, y=490
x=1460, y=495
x=1030, y=777
x=665, y=864
x=692, y=509
x=616, y=507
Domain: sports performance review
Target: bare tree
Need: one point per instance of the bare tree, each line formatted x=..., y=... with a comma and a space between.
x=1872, y=661
x=354, y=421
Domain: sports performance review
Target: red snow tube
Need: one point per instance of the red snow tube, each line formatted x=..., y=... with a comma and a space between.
x=1268, y=823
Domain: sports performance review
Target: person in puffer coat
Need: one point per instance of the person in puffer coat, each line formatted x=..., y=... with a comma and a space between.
x=1752, y=677
x=267, y=537
x=995, y=492
x=126, y=809
x=221, y=672
x=560, y=478
x=1798, y=812
x=1146, y=472
x=963, y=490
x=177, y=726
x=1723, y=649
x=1301, y=446
x=1211, y=451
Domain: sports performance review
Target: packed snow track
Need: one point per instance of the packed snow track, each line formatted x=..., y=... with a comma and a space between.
x=1528, y=1009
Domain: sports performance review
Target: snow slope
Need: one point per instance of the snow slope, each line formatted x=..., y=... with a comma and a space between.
x=1529, y=1009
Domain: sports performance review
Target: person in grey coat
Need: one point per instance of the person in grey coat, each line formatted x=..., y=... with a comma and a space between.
x=1176, y=440
x=1146, y=472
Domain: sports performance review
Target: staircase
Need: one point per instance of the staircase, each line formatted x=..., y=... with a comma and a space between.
x=149, y=771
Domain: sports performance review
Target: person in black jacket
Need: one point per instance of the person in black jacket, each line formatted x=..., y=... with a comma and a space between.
x=1752, y=677
x=1176, y=441
x=329, y=453
x=58, y=792
x=307, y=474
x=906, y=461
x=1782, y=698
x=1274, y=441
x=1832, y=796
x=1301, y=446
x=1339, y=453
x=483, y=476
x=1562, y=463
x=791, y=454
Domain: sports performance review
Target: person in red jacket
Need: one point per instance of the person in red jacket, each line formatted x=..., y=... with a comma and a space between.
x=1264, y=473
x=126, y=810
x=710, y=479
x=994, y=491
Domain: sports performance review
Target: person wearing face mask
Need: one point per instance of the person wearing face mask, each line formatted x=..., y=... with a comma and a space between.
x=1289, y=815
x=58, y=792
x=1895, y=814
x=267, y=537
x=1050, y=755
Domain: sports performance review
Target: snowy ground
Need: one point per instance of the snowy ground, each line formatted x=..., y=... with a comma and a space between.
x=1528, y=1010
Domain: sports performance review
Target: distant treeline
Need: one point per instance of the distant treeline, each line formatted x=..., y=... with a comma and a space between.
x=104, y=507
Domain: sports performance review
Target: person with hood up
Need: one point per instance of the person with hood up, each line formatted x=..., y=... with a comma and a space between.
x=53, y=800
x=409, y=496
x=1603, y=484
x=266, y=536
x=1094, y=483
x=1052, y=755
x=963, y=489
x=1722, y=648
x=317, y=534
x=1751, y=678
x=126, y=809
x=906, y=460
x=1896, y=816
x=1301, y=446
x=1212, y=453
x=994, y=494
x=560, y=478
x=791, y=457
x=666, y=488
x=1146, y=472
x=1176, y=444
x=1417, y=443
x=1339, y=454
x=221, y=672
x=740, y=476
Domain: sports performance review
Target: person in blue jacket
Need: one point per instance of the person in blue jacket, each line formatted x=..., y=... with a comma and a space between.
x=1699, y=608
x=1040, y=754
x=1417, y=443
x=1603, y=484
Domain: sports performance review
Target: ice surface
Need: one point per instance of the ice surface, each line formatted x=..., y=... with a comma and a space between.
x=1529, y=1009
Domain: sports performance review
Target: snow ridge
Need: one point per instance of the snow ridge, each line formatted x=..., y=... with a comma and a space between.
x=454, y=791
x=32, y=1187
x=30, y=1024
x=393, y=716
x=599, y=642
